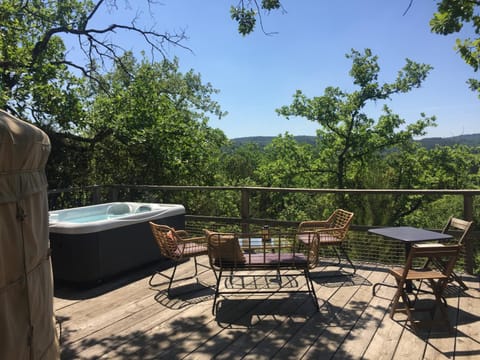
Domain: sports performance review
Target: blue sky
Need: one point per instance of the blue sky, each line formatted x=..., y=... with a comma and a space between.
x=257, y=74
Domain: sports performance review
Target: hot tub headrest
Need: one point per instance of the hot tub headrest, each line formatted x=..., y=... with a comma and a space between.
x=118, y=209
x=143, y=208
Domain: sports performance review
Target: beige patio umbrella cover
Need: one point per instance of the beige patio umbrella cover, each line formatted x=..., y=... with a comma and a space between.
x=27, y=329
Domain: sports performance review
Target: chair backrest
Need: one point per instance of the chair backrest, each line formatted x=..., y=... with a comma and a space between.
x=445, y=254
x=458, y=228
x=340, y=219
x=167, y=240
x=223, y=249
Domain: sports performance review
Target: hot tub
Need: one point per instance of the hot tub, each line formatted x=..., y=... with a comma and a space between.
x=92, y=243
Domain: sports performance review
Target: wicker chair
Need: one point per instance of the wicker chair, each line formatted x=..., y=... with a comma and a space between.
x=437, y=278
x=331, y=232
x=177, y=246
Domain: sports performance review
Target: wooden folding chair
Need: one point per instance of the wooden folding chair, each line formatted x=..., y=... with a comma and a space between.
x=176, y=245
x=459, y=229
x=437, y=278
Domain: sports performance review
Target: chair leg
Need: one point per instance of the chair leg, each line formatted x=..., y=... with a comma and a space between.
x=440, y=301
x=171, y=279
x=345, y=255
x=157, y=272
x=455, y=277
x=196, y=266
x=215, y=273
x=406, y=302
x=151, y=277
x=217, y=291
x=400, y=293
x=338, y=256
x=311, y=289
x=395, y=301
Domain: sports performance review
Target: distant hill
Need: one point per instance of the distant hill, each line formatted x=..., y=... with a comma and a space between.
x=262, y=141
x=470, y=140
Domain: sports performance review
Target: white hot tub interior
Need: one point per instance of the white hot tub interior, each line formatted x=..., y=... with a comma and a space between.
x=105, y=216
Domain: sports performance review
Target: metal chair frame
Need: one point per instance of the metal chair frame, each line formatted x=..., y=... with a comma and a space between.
x=177, y=246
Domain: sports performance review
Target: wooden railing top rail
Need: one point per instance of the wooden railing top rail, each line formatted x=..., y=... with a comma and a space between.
x=280, y=189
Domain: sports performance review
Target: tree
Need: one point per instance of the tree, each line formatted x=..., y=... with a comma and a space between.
x=37, y=73
x=34, y=58
x=158, y=125
x=347, y=135
x=451, y=16
x=36, y=70
x=240, y=163
x=285, y=163
x=247, y=11
x=450, y=167
x=42, y=83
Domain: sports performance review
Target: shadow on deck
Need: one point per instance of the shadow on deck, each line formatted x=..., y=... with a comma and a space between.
x=124, y=318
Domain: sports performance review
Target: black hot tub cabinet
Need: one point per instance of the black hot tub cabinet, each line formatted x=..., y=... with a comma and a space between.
x=93, y=243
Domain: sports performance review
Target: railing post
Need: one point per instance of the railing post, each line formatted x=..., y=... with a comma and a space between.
x=96, y=194
x=469, y=259
x=245, y=210
x=114, y=193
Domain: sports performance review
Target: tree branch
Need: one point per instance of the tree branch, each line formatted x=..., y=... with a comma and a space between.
x=96, y=49
x=408, y=8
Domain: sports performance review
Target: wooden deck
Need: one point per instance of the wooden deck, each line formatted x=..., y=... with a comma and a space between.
x=126, y=319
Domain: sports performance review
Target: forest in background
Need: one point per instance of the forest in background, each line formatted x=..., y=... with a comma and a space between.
x=428, y=142
x=125, y=119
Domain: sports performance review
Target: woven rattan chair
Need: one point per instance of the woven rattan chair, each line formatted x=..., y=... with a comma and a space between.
x=436, y=278
x=177, y=246
x=331, y=232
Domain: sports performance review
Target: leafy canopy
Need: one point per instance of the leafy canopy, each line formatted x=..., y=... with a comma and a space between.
x=157, y=119
x=347, y=135
x=451, y=17
x=247, y=11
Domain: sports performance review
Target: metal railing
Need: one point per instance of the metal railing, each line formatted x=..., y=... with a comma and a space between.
x=362, y=246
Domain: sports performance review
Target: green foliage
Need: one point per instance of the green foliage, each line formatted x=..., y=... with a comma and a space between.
x=158, y=125
x=246, y=13
x=34, y=79
x=374, y=154
x=284, y=163
x=450, y=167
x=245, y=18
x=451, y=16
x=349, y=138
x=240, y=163
x=271, y=4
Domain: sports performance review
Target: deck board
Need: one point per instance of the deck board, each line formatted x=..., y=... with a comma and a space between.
x=125, y=318
x=369, y=316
